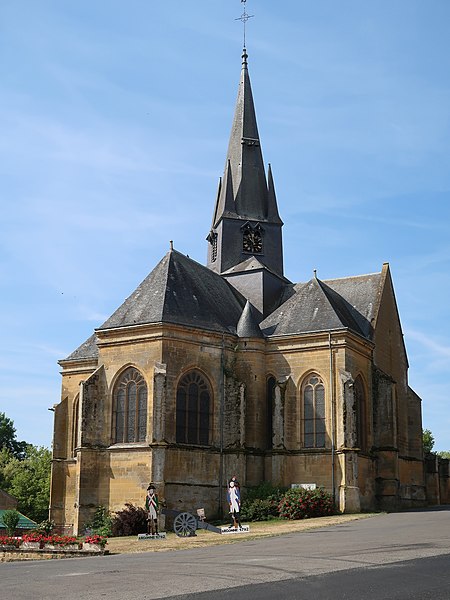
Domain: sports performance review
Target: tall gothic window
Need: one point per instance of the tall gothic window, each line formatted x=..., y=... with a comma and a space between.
x=193, y=410
x=270, y=401
x=360, y=409
x=130, y=407
x=313, y=395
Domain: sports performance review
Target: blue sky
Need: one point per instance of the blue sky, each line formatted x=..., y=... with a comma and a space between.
x=115, y=120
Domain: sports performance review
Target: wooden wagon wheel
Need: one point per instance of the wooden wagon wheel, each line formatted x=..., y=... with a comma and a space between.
x=185, y=525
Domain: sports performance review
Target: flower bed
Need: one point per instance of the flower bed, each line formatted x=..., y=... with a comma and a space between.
x=98, y=540
x=60, y=543
x=8, y=542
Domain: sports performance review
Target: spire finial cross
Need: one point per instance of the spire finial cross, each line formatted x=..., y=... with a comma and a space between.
x=244, y=17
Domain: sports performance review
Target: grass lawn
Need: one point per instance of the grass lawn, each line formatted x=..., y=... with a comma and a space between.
x=204, y=538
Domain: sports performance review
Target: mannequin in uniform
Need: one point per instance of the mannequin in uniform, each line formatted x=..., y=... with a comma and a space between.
x=152, y=506
x=234, y=502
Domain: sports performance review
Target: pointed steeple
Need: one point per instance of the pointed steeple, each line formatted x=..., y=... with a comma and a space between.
x=246, y=220
x=244, y=162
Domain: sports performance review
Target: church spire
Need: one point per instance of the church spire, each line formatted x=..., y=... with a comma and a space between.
x=245, y=220
x=244, y=164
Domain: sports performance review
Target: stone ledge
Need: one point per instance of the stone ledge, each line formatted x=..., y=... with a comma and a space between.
x=39, y=554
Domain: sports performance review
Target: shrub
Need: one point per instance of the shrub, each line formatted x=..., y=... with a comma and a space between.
x=256, y=510
x=129, y=521
x=11, y=519
x=299, y=503
x=260, y=503
x=101, y=523
x=45, y=527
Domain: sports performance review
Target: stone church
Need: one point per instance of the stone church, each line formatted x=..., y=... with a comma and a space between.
x=205, y=372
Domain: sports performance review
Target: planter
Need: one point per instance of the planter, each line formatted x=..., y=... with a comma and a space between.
x=7, y=547
x=92, y=547
x=70, y=548
x=50, y=547
x=30, y=545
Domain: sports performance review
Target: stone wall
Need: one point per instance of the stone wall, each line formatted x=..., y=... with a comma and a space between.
x=437, y=474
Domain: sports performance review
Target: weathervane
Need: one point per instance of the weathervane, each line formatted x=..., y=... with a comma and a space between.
x=244, y=17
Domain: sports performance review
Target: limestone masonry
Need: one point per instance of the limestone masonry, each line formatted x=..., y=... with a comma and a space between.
x=206, y=372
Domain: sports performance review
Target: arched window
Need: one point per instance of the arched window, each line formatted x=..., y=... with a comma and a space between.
x=75, y=424
x=130, y=407
x=313, y=395
x=360, y=409
x=193, y=410
x=270, y=401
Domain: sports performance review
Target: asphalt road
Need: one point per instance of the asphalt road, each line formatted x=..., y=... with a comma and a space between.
x=396, y=556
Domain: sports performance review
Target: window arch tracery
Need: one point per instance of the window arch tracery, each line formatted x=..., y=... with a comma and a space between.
x=193, y=410
x=313, y=401
x=130, y=407
x=270, y=402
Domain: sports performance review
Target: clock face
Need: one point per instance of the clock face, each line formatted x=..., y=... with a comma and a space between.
x=252, y=242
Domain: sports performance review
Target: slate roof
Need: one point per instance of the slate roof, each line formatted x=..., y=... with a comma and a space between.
x=317, y=305
x=253, y=264
x=248, y=323
x=88, y=349
x=180, y=290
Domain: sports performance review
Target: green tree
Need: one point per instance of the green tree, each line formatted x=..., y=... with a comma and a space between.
x=5, y=458
x=28, y=480
x=444, y=454
x=10, y=520
x=8, y=439
x=427, y=441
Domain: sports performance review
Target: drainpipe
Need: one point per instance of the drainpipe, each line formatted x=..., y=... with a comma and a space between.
x=221, y=424
x=332, y=417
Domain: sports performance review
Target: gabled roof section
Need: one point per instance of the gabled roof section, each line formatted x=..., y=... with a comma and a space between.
x=360, y=297
x=180, y=290
x=309, y=309
x=253, y=264
x=244, y=192
x=349, y=303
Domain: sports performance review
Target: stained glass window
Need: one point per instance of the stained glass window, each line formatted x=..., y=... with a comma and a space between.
x=193, y=412
x=313, y=412
x=130, y=407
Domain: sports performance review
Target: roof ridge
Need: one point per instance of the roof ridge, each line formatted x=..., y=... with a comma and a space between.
x=319, y=283
x=352, y=276
x=343, y=313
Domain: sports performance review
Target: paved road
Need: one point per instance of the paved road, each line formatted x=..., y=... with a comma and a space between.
x=420, y=579
x=410, y=549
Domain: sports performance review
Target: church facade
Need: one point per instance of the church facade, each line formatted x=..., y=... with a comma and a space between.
x=205, y=372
